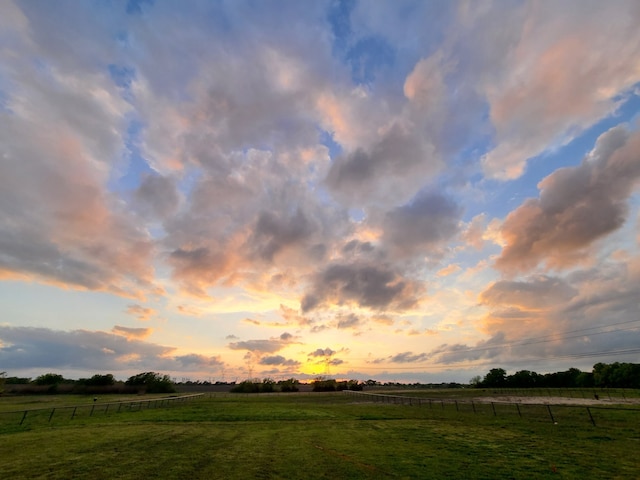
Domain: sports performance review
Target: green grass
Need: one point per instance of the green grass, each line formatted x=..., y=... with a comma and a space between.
x=317, y=436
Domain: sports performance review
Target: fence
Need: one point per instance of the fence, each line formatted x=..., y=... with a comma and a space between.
x=47, y=414
x=555, y=413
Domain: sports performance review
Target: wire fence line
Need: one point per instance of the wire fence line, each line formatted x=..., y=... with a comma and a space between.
x=555, y=413
x=47, y=414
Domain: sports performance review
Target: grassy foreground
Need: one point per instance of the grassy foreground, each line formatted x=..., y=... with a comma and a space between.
x=314, y=437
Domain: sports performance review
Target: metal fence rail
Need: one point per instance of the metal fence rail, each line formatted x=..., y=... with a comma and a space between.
x=70, y=412
x=595, y=414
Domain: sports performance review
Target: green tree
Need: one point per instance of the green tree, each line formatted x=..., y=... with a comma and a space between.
x=524, y=379
x=496, y=378
x=49, y=379
x=290, y=385
x=3, y=376
x=151, y=382
x=98, y=380
x=476, y=381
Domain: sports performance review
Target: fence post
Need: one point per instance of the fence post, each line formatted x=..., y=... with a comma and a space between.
x=91, y=412
x=74, y=412
x=24, y=416
x=457, y=410
x=473, y=405
x=551, y=414
x=518, y=408
x=591, y=416
x=50, y=416
x=493, y=407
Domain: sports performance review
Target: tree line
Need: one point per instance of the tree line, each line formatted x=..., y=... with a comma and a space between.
x=603, y=375
x=146, y=382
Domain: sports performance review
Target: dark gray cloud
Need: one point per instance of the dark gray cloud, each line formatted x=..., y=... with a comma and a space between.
x=157, y=197
x=270, y=345
x=349, y=321
x=376, y=287
x=43, y=348
x=395, y=166
x=322, y=352
x=577, y=206
x=423, y=226
x=354, y=247
x=492, y=348
x=273, y=232
x=278, y=360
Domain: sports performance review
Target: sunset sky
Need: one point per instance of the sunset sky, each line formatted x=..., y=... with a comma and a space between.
x=391, y=190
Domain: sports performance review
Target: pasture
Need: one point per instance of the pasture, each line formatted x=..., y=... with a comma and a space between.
x=311, y=435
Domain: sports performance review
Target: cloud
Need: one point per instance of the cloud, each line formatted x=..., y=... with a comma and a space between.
x=28, y=347
x=449, y=270
x=196, y=361
x=535, y=293
x=404, y=357
x=389, y=171
x=132, y=333
x=577, y=206
x=272, y=233
x=271, y=345
x=157, y=196
x=369, y=286
x=278, y=360
x=322, y=352
x=251, y=321
x=551, y=73
x=292, y=316
x=423, y=226
x=63, y=130
x=348, y=321
x=140, y=312
x=408, y=357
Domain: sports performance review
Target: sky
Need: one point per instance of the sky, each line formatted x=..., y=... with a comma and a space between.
x=404, y=191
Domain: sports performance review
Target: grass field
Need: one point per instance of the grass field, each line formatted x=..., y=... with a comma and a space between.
x=311, y=436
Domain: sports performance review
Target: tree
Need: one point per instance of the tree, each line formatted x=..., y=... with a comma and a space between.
x=496, y=378
x=476, y=381
x=98, y=380
x=3, y=376
x=524, y=379
x=49, y=379
x=290, y=385
x=152, y=382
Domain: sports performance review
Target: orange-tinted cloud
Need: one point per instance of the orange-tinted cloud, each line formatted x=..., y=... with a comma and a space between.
x=140, y=312
x=555, y=73
x=132, y=333
x=577, y=206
